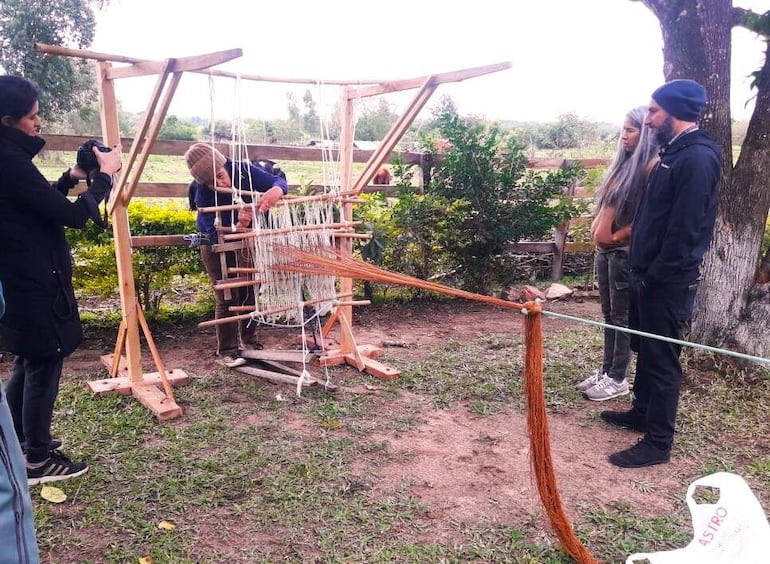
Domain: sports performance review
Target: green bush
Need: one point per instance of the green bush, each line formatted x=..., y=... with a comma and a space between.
x=95, y=270
x=480, y=200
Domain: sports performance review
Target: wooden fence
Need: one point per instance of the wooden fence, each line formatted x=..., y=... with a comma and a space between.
x=282, y=153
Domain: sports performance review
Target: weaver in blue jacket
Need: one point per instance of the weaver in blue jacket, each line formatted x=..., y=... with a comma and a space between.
x=672, y=230
x=209, y=167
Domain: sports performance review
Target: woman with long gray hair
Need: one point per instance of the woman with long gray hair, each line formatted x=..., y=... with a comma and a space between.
x=616, y=202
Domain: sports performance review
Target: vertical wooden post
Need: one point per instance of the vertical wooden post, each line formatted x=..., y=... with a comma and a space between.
x=347, y=126
x=560, y=235
x=121, y=230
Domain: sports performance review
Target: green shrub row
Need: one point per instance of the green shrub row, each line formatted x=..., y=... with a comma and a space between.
x=155, y=268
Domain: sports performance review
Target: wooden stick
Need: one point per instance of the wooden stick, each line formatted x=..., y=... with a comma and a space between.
x=275, y=376
x=279, y=355
x=119, y=343
x=280, y=309
x=284, y=201
x=298, y=228
x=155, y=354
x=342, y=234
x=236, y=284
x=234, y=318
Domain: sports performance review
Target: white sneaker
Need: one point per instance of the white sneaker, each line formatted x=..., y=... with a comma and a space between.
x=607, y=389
x=231, y=362
x=591, y=381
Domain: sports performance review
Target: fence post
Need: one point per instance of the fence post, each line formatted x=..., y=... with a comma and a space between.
x=560, y=234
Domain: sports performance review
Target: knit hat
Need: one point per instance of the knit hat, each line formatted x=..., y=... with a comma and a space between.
x=682, y=98
x=203, y=162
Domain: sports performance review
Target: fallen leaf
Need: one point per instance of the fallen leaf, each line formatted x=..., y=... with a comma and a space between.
x=146, y=560
x=52, y=494
x=166, y=526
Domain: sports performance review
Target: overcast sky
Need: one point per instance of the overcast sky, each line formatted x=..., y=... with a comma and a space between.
x=595, y=58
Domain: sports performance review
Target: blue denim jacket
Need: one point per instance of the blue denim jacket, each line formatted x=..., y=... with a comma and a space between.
x=17, y=527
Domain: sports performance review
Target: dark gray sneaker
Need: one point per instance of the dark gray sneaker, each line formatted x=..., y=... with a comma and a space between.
x=57, y=467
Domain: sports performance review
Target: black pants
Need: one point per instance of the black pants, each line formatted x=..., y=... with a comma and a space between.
x=613, y=277
x=664, y=310
x=31, y=393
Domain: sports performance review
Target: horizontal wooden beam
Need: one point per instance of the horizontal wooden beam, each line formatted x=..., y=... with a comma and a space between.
x=97, y=56
x=139, y=241
x=411, y=83
x=549, y=246
x=278, y=153
x=185, y=64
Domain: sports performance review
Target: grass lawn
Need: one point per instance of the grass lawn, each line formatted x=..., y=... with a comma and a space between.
x=251, y=473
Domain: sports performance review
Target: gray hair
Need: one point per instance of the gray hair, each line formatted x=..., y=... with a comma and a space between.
x=625, y=179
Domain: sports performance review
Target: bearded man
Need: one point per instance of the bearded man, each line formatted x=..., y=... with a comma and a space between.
x=671, y=231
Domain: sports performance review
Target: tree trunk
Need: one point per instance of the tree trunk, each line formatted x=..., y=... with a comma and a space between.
x=731, y=310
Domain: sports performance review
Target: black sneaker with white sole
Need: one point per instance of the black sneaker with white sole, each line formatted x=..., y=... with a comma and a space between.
x=55, y=468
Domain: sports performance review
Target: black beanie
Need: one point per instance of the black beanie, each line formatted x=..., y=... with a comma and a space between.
x=682, y=98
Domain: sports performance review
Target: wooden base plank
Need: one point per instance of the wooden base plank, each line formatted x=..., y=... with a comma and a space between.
x=278, y=378
x=334, y=357
x=148, y=392
x=278, y=355
x=367, y=353
x=122, y=364
x=375, y=368
x=122, y=384
x=154, y=399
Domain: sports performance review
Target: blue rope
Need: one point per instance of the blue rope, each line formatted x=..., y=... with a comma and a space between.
x=743, y=356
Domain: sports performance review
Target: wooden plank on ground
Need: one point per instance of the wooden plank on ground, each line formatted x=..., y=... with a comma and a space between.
x=375, y=368
x=276, y=377
x=156, y=401
x=279, y=355
x=122, y=384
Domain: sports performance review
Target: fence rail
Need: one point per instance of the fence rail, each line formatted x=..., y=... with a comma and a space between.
x=281, y=153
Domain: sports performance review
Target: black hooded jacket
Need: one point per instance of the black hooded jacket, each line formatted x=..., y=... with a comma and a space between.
x=41, y=317
x=674, y=222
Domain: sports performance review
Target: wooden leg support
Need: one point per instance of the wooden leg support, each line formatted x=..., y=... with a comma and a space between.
x=146, y=388
x=365, y=355
x=147, y=392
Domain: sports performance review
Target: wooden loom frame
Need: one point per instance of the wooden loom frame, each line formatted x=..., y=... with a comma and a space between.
x=126, y=371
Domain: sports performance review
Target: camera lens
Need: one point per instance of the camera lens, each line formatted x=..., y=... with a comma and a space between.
x=85, y=156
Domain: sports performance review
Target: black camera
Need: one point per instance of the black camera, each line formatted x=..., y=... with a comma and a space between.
x=86, y=159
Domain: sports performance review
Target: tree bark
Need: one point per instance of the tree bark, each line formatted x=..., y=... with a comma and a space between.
x=731, y=309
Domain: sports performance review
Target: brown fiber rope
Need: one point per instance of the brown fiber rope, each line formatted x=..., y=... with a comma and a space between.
x=335, y=264
x=540, y=437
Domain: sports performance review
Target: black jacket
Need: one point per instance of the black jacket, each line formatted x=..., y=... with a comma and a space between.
x=674, y=223
x=41, y=317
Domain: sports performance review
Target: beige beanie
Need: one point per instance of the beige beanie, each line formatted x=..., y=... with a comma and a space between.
x=203, y=162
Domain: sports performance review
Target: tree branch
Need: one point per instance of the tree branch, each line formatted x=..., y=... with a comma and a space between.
x=747, y=19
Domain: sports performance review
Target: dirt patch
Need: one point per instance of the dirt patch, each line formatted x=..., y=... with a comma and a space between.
x=466, y=468
x=477, y=469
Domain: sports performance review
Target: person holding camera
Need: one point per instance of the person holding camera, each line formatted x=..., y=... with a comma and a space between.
x=41, y=326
